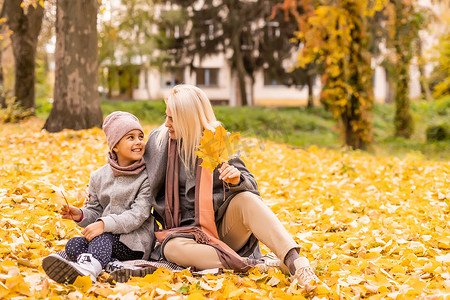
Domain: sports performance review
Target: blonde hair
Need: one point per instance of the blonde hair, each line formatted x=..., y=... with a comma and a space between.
x=192, y=113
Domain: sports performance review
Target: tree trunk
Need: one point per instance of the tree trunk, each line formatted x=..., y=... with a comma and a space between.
x=357, y=128
x=109, y=80
x=2, y=81
x=240, y=70
x=424, y=85
x=403, y=119
x=76, y=100
x=310, y=91
x=390, y=90
x=2, y=84
x=353, y=138
x=237, y=62
x=147, y=83
x=26, y=28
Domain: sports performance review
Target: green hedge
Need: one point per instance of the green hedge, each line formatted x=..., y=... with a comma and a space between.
x=304, y=127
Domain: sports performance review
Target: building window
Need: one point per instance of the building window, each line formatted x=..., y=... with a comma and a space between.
x=207, y=32
x=207, y=77
x=173, y=31
x=273, y=30
x=172, y=77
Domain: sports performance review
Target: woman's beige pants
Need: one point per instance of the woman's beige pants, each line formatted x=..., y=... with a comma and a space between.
x=246, y=214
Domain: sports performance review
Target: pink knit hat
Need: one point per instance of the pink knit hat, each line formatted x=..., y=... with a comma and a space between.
x=117, y=124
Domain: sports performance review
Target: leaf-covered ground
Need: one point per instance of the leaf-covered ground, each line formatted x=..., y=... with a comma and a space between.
x=372, y=227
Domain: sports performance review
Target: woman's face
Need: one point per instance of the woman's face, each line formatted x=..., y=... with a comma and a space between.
x=169, y=124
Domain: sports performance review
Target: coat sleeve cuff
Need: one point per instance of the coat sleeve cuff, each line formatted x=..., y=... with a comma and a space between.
x=83, y=221
x=234, y=187
x=109, y=223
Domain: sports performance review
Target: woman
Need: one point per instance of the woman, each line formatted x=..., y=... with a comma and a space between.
x=214, y=219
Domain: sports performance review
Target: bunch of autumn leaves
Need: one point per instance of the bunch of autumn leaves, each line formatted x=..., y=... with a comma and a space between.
x=218, y=147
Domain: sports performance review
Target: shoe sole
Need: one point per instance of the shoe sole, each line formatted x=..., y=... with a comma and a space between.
x=123, y=275
x=60, y=270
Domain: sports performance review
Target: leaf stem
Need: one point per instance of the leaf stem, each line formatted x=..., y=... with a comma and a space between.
x=67, y=203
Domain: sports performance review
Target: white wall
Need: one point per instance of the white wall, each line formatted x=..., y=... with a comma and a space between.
x=263, y=95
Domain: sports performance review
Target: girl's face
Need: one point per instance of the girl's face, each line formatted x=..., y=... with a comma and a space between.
x=130, y=148
x=169, y=124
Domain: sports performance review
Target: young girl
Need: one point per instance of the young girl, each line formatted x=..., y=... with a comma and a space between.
x=116, y=220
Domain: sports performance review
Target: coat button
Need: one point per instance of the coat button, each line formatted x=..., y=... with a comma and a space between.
x=120, y=179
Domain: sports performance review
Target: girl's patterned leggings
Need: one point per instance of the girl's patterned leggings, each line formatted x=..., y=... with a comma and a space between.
x=105, y=248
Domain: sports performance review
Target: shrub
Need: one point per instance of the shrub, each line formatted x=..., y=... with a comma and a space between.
x=437, y=132
x=14, y=112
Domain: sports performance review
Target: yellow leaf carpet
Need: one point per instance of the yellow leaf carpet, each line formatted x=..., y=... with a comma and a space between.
x=372, y=227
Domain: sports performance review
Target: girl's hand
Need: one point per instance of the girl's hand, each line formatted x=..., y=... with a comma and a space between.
x=71, y=213
x=229, y=174
x=93, y=230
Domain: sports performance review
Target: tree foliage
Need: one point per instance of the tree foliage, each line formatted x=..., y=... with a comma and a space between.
x=296, y=14
x=442, y=88
x=346, y=36
x=243, y=31
x=337, y=35
x=126, y=44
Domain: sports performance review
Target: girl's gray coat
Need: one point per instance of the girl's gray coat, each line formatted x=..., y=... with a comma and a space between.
x=121, y=202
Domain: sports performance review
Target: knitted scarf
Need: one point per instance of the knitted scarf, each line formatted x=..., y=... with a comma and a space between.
x=133, y=169
x=205, y=230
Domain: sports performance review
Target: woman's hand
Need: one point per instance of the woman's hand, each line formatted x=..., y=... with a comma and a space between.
x=229, y=174
x=93, y=230
x=71, y=213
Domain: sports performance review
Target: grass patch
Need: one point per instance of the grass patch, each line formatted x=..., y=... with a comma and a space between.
x=304, y=127
x=148, y=112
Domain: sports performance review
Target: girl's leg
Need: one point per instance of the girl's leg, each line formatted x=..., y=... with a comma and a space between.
x=76, y=246
x=101, y=247
x=188, y=253
x=247, y=214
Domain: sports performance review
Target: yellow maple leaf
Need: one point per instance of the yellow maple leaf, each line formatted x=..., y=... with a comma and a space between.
x=217, y=147
x=84, y=283
x=60, y=191
x=17, y=284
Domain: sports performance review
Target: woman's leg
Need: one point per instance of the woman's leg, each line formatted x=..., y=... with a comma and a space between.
x=76, y=246
x=247, y=214
x=188, y=253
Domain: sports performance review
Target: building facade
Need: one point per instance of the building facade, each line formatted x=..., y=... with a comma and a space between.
x=215, y=76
